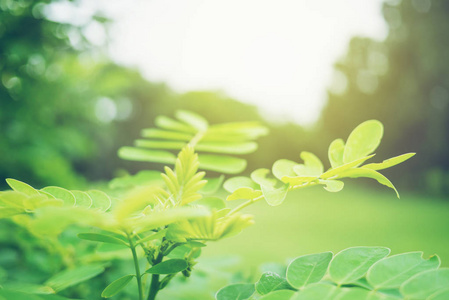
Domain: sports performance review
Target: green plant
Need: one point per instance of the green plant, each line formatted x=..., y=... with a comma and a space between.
x=353, y=274
x=163, y=220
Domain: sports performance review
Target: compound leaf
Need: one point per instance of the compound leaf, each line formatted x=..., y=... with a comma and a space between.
x=71, y=277
x=425, y=284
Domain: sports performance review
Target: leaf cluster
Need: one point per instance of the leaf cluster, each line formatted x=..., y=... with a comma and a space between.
x=356, y=273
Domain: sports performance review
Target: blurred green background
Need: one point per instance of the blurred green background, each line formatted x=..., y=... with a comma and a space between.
x=66, y=108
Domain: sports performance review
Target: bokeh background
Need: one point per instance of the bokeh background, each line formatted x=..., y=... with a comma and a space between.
x=79, y=80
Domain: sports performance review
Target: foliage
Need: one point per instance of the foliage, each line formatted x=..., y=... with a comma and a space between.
x=164, y=222
x=355, y=273
x=403, y=81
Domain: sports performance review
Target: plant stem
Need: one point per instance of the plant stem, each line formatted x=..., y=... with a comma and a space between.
x=155, y=284
x=136, y=267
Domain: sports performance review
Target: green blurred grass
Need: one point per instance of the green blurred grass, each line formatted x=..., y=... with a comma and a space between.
x=314, y=220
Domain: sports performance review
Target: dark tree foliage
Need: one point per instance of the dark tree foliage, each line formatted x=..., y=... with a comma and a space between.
x=404, y=82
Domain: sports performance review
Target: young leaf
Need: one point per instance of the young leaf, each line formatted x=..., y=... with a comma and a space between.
x=166, y=135
x=308, y=269
x=425, y=284
x=221, y=163
x=171, y=124
x=238, y=291
x=170, y=266
x=363, y=140
x=98, y=237
x=60, y=193
x=71, y=277
x=100, y=200
x=160, y=156
x=116, y=286
x=392, y=271
x=244, y=194
x=340, y=169
x=262, y=177
x=312, y=165
x=335, y=153
x=362, y=172
x=192, y=119
x=82, y=199
x=352, y=263
x=275, y=196
x=284, y=167
x=388, y=163
x=332, y=185
x=234, y=183
x=22, y=187
x=270, y=282
x=227, y=147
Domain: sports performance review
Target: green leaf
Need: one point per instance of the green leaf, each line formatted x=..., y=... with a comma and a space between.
x=262, y=177
x=332, y=185
x=312, y=165
x=279, y=295
x=166, y=135
x=29, y=288
x=425, y=284
x=159, y=144
x=238, y=291
x=335, y=152
x=308, y=269
x=211, y=203
x=388, y=163
x=221, y=163
x=6, y=212
x=361, y=172
x=235, y=183
x=98, y=237
x=142, y=178
x=159, y=156
x=275, y=196
x=100, y=200
x=299, y=180
x=171, y=124
x=392, y=271
x=363, y=140
x=22, y=187
x=71, y=277
x=352, y=263
x=62, y=194
x=227, y=147
x=338, y=170
x=116, y=286
x=441, y=295
x=269, y=282
x=244, y=194
x=318, y=291
x=194, y=120
x=170, y=266
x=284, y=167
x=212, y=185
x=82, y=199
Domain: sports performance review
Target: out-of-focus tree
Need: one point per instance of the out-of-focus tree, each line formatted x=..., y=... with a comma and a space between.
x=404, y=82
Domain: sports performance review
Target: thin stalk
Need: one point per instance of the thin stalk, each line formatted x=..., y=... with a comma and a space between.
x=155, y=283
x=136, y=267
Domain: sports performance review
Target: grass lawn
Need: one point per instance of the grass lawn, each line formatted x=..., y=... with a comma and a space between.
x=314, y=220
